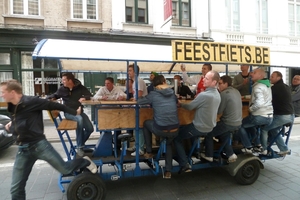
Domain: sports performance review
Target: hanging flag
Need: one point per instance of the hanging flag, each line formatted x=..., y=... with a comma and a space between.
x=167, y=11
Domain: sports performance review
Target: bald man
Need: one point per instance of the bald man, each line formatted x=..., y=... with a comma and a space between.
x=260, y=112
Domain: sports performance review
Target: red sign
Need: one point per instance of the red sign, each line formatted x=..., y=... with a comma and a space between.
x=167, y=9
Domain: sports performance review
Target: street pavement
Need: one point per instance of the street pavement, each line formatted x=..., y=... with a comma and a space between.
x=279, y=180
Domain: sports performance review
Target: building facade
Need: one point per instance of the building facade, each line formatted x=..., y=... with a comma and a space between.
x=275, y=24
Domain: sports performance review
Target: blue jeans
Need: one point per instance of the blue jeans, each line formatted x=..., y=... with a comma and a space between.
x=250, y=122
x=25, y=159
x=148, y=130
x=185, y=132
x=84, y=128
x=224, y=131
x=274, y=128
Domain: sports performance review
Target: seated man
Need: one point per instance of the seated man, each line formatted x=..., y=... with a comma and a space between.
x=295, y=87
x=73, y=93
x=206, y=105
x=283, y=113
x=165, y=121
x=261, y=111
x=110, y=92
x=231, y=119
x=182, y=90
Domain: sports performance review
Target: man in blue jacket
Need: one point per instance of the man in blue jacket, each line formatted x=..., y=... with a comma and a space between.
x=28, y=127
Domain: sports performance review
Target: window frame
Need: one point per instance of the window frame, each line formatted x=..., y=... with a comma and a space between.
x=84, y=10
x=260, y=24
x=294, y=22
x=136, y=10
x=180, y=13
x=230, y=15
x=25, y=8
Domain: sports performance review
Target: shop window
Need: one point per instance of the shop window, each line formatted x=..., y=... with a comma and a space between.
x=4, y=58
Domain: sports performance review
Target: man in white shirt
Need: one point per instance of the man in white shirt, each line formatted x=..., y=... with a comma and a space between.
x=110, y=92
x=141, y=92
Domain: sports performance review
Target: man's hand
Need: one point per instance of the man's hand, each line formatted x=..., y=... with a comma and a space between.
x=7, y=126
x=121, y=98
x=182, y=66
x=104, y=98
x=81, y=100
x=78, y=110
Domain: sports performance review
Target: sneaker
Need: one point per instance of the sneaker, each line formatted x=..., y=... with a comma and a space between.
x=247, y=150
x=264, y=152
x=140, y=152
x=282, y=153
x=132, y=139
x=186, y=168
x=131, y=148
x=258, y=149
x=210, y=159
x=167, y=175
x=232, y=158
x=148, y=155
x=92, y=167
x=80, y=152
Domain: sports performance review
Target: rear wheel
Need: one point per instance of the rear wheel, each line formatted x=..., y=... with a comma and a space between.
x=86, y=186
x=248, y=173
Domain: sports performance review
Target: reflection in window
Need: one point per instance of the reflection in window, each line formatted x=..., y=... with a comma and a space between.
x=28, y=63
x=181, y=13
x=25, y=7
x=136, y=11
x=294, y=17
x=4, y=58
x=84, y=9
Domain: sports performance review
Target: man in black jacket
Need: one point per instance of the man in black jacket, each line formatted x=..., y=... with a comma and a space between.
x=283, y=112
x=73, y=93
x=28, y=128
x=182, y=90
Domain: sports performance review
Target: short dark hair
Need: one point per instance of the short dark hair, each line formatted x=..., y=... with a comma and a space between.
x=12, y=84
x=226, y=79
x=69, y=76
x=110, y=79
x=279, y=74
x=158, y=80
x=137, y=67
x=208, y=65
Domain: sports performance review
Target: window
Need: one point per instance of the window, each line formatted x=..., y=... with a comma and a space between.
x=4, y=58
x=84, y=9
x=137, y=11
x=25, y=7
x=262, y=16
x=181, y=13
x=294, y=17
x=232, y=15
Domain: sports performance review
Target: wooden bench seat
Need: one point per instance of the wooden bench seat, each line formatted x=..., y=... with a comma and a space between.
x=64, y=124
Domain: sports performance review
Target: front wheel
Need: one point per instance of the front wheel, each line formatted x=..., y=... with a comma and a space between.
x=248, y=173
x=86, y=186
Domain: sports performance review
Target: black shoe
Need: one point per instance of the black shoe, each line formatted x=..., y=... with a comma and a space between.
x=186, y=168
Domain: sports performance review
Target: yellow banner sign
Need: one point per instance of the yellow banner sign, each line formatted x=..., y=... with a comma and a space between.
x=200, y=51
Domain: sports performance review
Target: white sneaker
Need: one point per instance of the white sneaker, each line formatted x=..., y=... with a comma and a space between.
x=232, y=158
x=140, y=152
x=92, y=167
x=264, y=152
x=131, y=148
x=210, y=159
x=247, y=151
x=282, y=153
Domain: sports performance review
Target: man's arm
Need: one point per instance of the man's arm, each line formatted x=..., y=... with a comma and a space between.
x=100, y=93
x=196, y=103
x=193, y=80
x=86, y=93
x=258, y=100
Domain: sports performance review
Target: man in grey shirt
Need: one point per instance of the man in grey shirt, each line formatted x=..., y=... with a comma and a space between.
x=231, y=119
x=206, y=105
x=241, y=81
